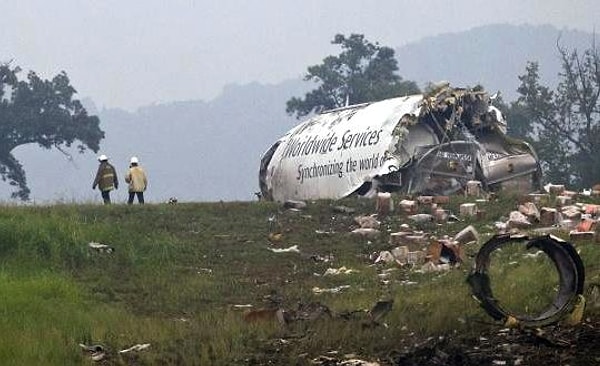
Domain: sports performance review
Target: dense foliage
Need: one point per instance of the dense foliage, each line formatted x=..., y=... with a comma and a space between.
x=362, y=72
x=564, y=124
x=43, y=112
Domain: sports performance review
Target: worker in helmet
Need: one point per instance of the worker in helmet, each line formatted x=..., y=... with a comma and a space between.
x=106, y=178
x=136, y=177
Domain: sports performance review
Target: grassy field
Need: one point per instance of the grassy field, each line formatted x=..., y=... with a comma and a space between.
x=182, y=277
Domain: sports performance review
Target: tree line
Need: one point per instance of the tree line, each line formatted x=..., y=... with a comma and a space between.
x=563, y=124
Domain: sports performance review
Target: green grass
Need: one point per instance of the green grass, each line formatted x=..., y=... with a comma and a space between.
x=177, y=272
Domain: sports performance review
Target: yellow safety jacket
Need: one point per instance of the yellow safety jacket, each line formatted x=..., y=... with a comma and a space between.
x=136, y=177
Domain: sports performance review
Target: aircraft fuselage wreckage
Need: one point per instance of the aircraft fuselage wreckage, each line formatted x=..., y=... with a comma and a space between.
x=426, y=144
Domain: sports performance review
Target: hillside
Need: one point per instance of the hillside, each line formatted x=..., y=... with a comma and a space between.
x=493, y=56
x=255, y=283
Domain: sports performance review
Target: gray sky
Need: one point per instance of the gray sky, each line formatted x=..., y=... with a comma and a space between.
x=130, y=53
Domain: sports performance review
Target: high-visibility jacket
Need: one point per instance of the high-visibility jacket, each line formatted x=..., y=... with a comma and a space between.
x=106, y=177
x=136, y=177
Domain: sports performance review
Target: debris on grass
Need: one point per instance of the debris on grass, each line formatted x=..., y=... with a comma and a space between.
x=384, y=204
x=322, y=259
x=468, y=209
x=338, y=271
x=102, y=248
x=445, y=251
x=292, y=249
x=96, y=351
x=421, y=218
x=386, y=257
x=136, y=348
x=310, y=311
x=367, y=222
x=275, y=238
x=516, y=220
x=366, y=232
x=554, y=188
x=433, y=267
x=293, y=204
x=467, y=235
x=408, y=206
x=380, y=310
x=530, y=210
x=332, y=361
x=333, y=290
x=401, y=256
x=473, y=188
x=570, y=270
x=344, y=210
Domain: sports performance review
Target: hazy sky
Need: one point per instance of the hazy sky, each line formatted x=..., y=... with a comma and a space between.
x=130, y=53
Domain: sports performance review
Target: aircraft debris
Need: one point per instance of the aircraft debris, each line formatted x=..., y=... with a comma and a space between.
x=136, y=347
x=445, y=252
x=292, y=249
x=467, y=235
x=96, y=351
x=380, y=310
x=366, y=232
x=338, y=271
x=332, y=361
x=324, y=232
x=517, y=220
x=594, y=296
x=343, y=209
x=433, y=143
x=384, y=204
x=556, y=189
x=530, y=210
x=369, y=222
x=311, y=311
x=473, y=188
x=401, y=256
x=468, y=209
x=102, y=248
x=386, y=257
x=409, y=206
x=333, y=290
x=421, y=218
x=549, y=216
x=432, y=267
x=275, y=237
x=324, y=259
x=294, y=204
x=568, y=264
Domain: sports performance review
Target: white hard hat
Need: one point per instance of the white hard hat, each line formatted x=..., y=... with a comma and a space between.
x=134, y=160
x=102, y=157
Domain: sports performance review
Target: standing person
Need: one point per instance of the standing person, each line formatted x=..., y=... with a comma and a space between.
x=106, y=178
x=136, y=177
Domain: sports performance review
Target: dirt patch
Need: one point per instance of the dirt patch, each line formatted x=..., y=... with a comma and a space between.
x=552, y=346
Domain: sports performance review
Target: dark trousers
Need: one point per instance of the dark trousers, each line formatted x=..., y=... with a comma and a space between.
x=140, y=196
x=106, y=197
